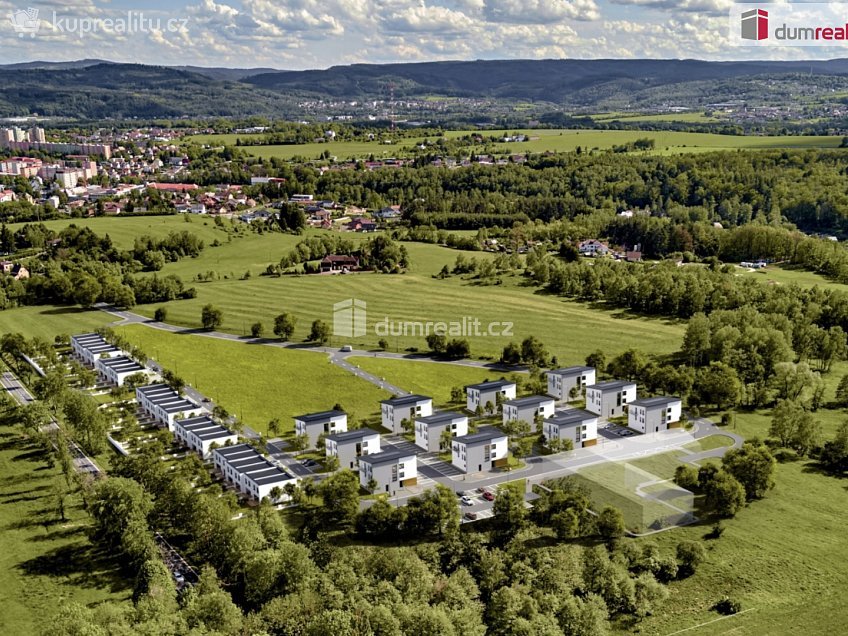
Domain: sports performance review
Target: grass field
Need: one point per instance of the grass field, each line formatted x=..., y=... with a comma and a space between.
x=45, y=563
x=543, y=140
x=782, y=557
x=787, y=274
x=48, y=321
x=258, y=383
x=679, y=117
x=428, y=378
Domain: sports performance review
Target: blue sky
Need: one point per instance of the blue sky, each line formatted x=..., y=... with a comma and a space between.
x=300, y=34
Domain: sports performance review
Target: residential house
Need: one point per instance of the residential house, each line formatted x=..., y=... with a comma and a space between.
x=339, y=263
x=201, y=434
x=429, y=429
x=389, y=470
x=528, y=409
x=610, y=399
x=351, y=445
x=116, y=370
x=580, y=426
x=362, y=225
x=389, y=212
x=651, y=415
x=593, y=247
x=486, y=449
x=165, y=405
x=89, y=347
x=405, y=407
x=562, y=381
x=488, y=392
x=250, y=472
x=313, y=425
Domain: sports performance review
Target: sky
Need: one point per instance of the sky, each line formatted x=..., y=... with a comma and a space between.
x=301, y=34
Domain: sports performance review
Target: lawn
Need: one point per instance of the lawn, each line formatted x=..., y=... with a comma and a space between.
x=258, y=383
x=783, y=558
x=787, y=274
x=47, y=321
x=45, y=563
x=427, y=378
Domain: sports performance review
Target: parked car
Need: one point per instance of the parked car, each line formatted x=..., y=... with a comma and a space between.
x=471, y=516
x=488, y=496
x=481, y=489
x=460, y=493
x=309, y=463
x=467, y=501
x=347, y=349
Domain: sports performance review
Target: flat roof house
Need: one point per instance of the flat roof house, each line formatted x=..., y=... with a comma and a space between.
x=351, y=445
x=313, y=425
x=609, y=399
x=116, y=370
x=561, y=381
x=405, y=407
x=88, y=347
x=651, y=415
x=580, y=426
x=165, y=405
x=250, y=472
x=429, y=429
x=389, y=469
x=526, y=409
x=485, y=392
x=200, y=433
x=486, y=449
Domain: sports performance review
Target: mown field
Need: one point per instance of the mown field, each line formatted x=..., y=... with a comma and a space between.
x=542, y=140
x=787, y=274
x=48, y=321
x=45, y=562
x=258, y=383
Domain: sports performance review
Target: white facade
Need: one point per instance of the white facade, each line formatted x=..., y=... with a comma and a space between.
x=581, y=427
x=89, y=347
x=389, y=469
x=116, y=370
x=652, y=415
x=165, y=405
x=488, y=392
x=528, y=409
x=201, y=433
x=428, y=430
x=251, y=473
x=610, y=399
x=351, y=445
x=313, y=425
x=561, y=381
x=395, y=410
x=484, y=450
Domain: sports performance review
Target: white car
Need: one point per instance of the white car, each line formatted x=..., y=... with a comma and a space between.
x=467, y=501
x=347, y=349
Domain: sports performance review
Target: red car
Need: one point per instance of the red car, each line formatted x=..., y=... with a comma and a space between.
x=488, y=496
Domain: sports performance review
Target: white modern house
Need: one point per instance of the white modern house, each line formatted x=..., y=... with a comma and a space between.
x=351, y=445
x=201, y=433
x=389, y=469
x=250, y=472
x=580, y=426
x=165, y=405
x=527, y=409
x=116, y=370
x=429, y=429
x=486, y=449
x=89, y=347
x=610, y=399
x=562, y=381
x=405, y=407
x=651, y=415
x=313, y=425
x=487, y=393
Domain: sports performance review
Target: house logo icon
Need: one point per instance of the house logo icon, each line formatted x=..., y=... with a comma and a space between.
x=755, y=24
x=25, y=22
x=349, y=318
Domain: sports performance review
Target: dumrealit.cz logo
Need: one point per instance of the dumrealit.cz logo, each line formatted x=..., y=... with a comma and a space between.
x=789, y=24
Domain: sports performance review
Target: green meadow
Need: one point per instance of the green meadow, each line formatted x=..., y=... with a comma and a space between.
x=258, y=383
x=788, y=274
x=49, y=321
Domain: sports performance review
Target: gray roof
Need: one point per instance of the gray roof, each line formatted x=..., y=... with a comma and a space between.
x=405, y=400
x=121, y=364
x=660, y=400
x=571, y=416
x=533, y=400
x=571, y=370
x=485, y=434
x=178, y=407
x=323, y=416
x=235, y=449
x=611, y=385
x=384, y=457
x=350, y=436
x=491, y=385
x=441, y=417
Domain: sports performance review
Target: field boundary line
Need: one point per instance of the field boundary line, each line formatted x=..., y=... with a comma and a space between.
x=715, y=620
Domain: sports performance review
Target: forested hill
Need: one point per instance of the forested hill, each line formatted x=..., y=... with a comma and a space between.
x=559, y=81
